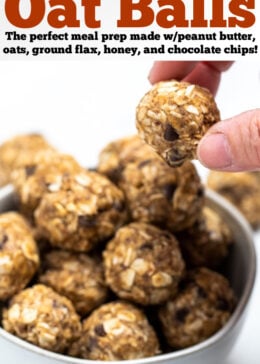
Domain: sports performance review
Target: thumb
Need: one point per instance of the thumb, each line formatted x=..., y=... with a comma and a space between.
x=232, y=145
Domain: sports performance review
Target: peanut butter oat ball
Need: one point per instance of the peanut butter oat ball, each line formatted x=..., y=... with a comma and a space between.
x=42, y=317
x=84, y=211
x=117, y=154
x=202, y=307
x=116, y=331
x=171, y=198
x=78, y=277
x=19, y=257
x=242, y=189
x=32, y=182
x=207, y=242
x=172, y=118
x=143, y=264
x=21, y=151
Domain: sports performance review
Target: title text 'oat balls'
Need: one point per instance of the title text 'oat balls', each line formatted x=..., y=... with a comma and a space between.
x=173, y=116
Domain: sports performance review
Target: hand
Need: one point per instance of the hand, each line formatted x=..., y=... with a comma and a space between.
x=230, y=145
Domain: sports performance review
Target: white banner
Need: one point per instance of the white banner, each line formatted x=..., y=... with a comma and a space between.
x=125, y=29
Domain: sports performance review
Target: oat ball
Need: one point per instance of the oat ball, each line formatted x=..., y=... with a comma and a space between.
x=202, y=307
x=19, y=257
x=85, y=210
x=21, y=151
x=143, y=264
x=242, y=189
x=172, y=118
x=171, y=198
x=42, y=317
x=117, y=154
x=78, y=277
x=116, y=331
x=32, y=182
x=207, y=242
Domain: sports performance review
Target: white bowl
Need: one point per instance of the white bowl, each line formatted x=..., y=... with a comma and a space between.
x=241, y=270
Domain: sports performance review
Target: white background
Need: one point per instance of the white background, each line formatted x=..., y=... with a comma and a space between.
x=80, y=106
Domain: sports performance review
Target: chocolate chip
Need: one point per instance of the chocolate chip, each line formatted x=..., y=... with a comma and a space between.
x=55, y=304
x=92, y=169
x=146, y=246
x=200, y=192
x=3, y=240
x=168, y=190
x=222, y=304
x=99, y=330
x=29, y=170
x=181, y=314
x=237, y=194
x=201, y=292
x=166, y=234
x=174, y=158
x=170, y=133
x=116, y=174
x=143, y=163
x=92, y=343
x=102, y=209
x=119, y=206
x=87, y=221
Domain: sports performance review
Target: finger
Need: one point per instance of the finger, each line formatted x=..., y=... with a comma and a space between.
x=208, y=74
x=205, y=76
x=220, y=66
x=167, y=70
x=233, y=145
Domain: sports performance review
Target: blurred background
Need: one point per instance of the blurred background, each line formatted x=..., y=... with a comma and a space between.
x=81, y=106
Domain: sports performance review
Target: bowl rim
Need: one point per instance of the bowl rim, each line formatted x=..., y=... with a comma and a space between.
x=212, y=198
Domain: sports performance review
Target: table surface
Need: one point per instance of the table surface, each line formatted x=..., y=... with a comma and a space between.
x=80, y=106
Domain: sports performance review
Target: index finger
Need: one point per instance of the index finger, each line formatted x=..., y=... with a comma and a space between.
x=167, y=70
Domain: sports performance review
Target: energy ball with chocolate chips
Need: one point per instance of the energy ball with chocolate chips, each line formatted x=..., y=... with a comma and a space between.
x=143, y=264
x=85, y=210
x=76, y=276
x=241, y=189
x=32, y=182
x=19, y=257
x=171, y=198
x=21, y=151
x=116, y=331
x=202, y=307
x=117, y=154
x=42, y=317
x=173, y=116
x=207, y=242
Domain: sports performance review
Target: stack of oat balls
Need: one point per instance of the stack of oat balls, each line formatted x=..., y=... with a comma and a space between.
x=123, y=262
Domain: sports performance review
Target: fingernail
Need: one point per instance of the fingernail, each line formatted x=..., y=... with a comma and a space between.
x=214, y=151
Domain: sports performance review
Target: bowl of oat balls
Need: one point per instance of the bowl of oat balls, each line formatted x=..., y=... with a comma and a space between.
x=135, y=260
